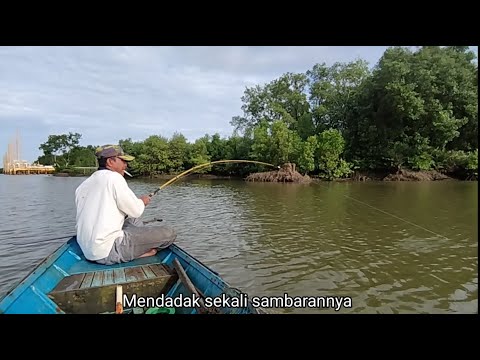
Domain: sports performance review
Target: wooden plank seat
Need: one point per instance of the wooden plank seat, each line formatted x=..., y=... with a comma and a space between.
x=95, y=292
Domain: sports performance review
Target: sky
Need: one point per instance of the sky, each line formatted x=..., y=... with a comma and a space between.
x=111, y=93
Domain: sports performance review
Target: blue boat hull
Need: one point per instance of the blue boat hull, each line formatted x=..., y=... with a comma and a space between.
x=66, y=268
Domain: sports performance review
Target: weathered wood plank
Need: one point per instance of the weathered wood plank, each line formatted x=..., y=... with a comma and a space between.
x=148, y=272
x=87, y=281
x=134, y=274
x=119, y=276
x=111, y=276
x=158, y=270
x=97, y=279
x=70, y=282
x=108, y=277
x=101, y=299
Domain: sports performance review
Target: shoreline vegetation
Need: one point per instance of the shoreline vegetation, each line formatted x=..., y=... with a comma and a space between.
x=402, y=175
x=413, y=116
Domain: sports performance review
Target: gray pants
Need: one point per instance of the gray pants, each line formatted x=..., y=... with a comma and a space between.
x=138, y=240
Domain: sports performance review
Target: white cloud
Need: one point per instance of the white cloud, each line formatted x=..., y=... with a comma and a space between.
x=113, y=93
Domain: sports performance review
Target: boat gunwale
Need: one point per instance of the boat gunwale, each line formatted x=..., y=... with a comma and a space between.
x=218, y=280
x=22, y=285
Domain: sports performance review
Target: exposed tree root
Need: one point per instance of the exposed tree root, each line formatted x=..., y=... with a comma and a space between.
x=286, y=173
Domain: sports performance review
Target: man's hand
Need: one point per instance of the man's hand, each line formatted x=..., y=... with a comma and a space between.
x=146, y=199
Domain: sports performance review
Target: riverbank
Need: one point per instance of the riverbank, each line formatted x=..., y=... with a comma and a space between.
x=159, y=177
x=402, y=175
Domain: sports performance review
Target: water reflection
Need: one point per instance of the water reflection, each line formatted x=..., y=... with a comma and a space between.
x=328, y=239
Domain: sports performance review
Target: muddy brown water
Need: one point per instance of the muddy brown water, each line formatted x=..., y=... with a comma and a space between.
x=373, y=247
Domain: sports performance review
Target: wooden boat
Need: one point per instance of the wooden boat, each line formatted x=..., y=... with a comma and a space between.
x=171, y=282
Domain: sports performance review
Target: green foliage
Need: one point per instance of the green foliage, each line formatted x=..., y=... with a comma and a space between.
x=333, y=92
x=177, y=152
x=237, y=148
x=416, y=108
x=216, y=147
x=283, y=143
x=459, y=162
x=198, y=154
x=283, y=99
x=413, y=103
x=471, y=164
x=306, y=157
x=83, y=156
x=329, y=150
x=261, y=143
x=59, y=146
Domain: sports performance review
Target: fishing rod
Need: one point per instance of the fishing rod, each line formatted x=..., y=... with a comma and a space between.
x=205, y=165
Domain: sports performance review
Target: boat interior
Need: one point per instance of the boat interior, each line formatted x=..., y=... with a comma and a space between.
x=66, y=283
x=95, y=292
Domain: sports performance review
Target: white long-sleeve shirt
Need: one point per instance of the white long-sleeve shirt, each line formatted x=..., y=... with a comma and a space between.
x=102, y=202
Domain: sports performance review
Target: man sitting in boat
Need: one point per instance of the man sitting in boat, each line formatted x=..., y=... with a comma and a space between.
x=108, y=227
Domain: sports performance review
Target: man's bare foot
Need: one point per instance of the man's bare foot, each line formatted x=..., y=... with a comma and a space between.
x=149, y=253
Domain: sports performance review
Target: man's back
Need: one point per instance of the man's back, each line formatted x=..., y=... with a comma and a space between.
x=102, y=202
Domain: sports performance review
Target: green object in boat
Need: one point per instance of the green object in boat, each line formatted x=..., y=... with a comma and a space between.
x=161, y=310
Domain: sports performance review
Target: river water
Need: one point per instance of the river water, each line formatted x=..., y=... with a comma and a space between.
x=377, y=247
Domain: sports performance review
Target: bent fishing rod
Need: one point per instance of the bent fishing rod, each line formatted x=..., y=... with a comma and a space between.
x=201, y=166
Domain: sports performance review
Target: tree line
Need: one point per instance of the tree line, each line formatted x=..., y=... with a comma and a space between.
x=415, y=109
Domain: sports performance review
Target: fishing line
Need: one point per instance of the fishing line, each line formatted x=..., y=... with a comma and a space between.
x=395, y=216
x=208, y=164
x=278, y=167
x=183, y=174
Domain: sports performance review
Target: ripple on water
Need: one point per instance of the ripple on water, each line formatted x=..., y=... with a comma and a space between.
x=272, y=239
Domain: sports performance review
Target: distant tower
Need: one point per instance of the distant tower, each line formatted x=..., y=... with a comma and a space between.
x=12, y=155
x=18, y=146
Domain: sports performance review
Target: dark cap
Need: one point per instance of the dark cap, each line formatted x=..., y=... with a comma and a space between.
x=107, y=151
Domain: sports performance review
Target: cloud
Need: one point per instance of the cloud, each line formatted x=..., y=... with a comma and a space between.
x=112, y=93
